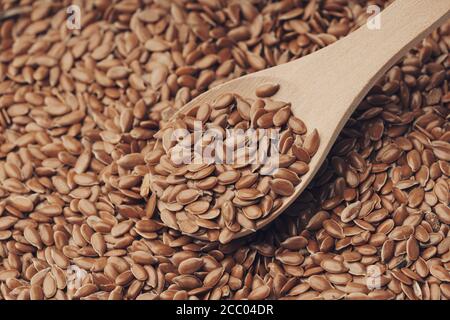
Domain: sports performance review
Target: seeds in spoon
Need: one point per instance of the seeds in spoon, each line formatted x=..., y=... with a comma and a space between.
x=267, y=90
x=187, y=196
x=244, y=176
x=248, y=194
x=252, y=212
x=282, y=187
x=229, y=177
x=281, y=116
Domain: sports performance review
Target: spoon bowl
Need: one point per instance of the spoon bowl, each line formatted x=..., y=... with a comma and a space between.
x=246, y=86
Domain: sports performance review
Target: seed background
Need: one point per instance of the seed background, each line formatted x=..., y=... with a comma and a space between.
x=75, y=103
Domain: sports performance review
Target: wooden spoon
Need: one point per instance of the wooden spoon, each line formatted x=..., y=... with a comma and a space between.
x=325, y=87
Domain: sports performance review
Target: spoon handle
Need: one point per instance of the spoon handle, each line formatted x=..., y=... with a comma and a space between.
x=401, y=26
x=351, y=66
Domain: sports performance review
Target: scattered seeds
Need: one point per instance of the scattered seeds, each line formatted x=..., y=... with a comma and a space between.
x=79, y=115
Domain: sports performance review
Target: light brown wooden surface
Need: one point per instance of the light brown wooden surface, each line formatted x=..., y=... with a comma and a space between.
x=325, y=87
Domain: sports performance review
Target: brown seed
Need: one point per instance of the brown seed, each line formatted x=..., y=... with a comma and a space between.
x=190, y=266
x=131, y=160
x=319, y=283
x=121, y=228
x=297, y=125
x=148, y=225
x=333, y=229
x=311, y=143
x=33, y=237
x=295, y=243
x=189, y=226
x=387, y=250
x=281, y=117
x=246, y=181
x=156, y=45
x=8, y=274
x=243, y=109
x=333, y=266
x=197, y=207
x=87, y=208
x=85, y=291
x=213, y=277
x=252, y=212
x=282, y=187
x=259, y=293
x=143, y=257
x=440, y=273
x=223, y=101
x=272, y=105
x=36, y=293
x=229, y=177
x=21, y=203
x=248, y=194
x=351, y=212
x=287, y=174
x=412, y=249
x=265, y=121
x=49, y=286
x=203, y=112
x=98, y=243
x=443, y=213
x=290, y=258
x=187, y=196
x=207, y=183
x=401, y=233
x=267, y=90
x=416, y=197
